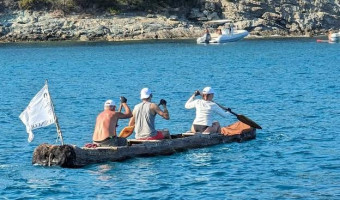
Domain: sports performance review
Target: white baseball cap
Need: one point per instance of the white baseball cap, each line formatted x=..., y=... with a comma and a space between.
x=208, y=90
x=109, y=103
x=145, y=93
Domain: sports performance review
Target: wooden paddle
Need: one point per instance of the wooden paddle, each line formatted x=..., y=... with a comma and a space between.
x=242, y=118
x=119, y=110
x=126, y=131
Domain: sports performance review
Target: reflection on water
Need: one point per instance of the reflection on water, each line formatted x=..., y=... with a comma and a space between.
x=102, y=172
x=200, y=159
x=37, y=183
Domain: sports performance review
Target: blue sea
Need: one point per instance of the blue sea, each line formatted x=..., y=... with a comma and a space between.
x=290, y=87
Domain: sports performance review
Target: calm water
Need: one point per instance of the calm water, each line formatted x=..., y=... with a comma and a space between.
x=290, y=87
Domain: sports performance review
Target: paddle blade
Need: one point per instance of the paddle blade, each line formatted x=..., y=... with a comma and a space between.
x=126, y=132
x=248, y=121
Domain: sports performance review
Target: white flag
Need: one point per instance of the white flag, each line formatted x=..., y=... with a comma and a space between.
x=39, y=112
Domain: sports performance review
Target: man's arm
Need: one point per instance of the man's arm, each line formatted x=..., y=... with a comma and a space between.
x=191, y=103
x=127, y=113
x=164, y=114
x=132, y=121
x=220, y=111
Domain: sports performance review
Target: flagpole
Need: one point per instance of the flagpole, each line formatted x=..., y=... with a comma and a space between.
x=55, y=118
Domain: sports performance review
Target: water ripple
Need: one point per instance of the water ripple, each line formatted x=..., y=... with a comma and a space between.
x=288, y=87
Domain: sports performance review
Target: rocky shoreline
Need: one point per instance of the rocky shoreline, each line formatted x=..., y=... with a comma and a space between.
x=261, y=18
x=55, y=26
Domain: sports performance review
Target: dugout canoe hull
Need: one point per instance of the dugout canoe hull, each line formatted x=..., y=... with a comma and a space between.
x=71, y=156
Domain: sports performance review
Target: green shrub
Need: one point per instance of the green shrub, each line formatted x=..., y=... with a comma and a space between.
x=66, y=5
x=34, y=4
x=113, y=11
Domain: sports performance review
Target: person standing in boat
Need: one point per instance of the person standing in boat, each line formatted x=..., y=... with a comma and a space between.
x=105, y=130
x=144, y=115
x=330, y=35
x=227, y=28
x=207, y=36
x=205, y=110
x=231, y=29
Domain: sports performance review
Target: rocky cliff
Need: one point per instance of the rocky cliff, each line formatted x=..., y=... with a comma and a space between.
x=284, y=17
x=259, y=17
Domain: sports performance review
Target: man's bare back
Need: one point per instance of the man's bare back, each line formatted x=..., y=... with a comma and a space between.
x=105, y=125
x=107, y=120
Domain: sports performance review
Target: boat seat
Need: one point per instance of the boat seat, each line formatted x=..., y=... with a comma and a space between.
x=115, y=148
x=188, y=134
x=96, y=148
x=191, y=134
x=142, y=141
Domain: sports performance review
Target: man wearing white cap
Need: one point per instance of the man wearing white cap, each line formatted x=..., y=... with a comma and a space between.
x=205, y=110
x=144, y=115
x=105, y=130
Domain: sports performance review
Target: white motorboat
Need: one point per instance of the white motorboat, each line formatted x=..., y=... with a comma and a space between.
x=334, y=37
x=226, y=33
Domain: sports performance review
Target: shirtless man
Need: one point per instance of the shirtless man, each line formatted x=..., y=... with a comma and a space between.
x=205, y=111
x=105, y=130
x=144, y=115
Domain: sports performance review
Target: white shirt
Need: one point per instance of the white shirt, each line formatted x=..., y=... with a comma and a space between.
x=204, y=111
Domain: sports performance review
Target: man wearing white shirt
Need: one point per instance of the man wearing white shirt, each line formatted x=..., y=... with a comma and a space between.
x=205, y=110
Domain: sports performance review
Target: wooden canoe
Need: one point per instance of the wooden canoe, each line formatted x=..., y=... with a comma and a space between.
x=71, y=156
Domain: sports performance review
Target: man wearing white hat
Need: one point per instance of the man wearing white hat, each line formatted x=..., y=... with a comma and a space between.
x=105, y=130
x=205, y=110
x=144, y=115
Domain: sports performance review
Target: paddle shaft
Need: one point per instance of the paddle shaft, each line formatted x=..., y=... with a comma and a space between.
x=227, y=109
x=119, y=109
x=242, y=118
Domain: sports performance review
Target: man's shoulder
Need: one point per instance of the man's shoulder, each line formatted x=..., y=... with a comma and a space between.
x=101, y=113
x=215, y=106
x=198, y=101
x=153, y=104
x=104, y=114
x=109, y=112
x=207, y=103
x=211, y=103
x=138, y=105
